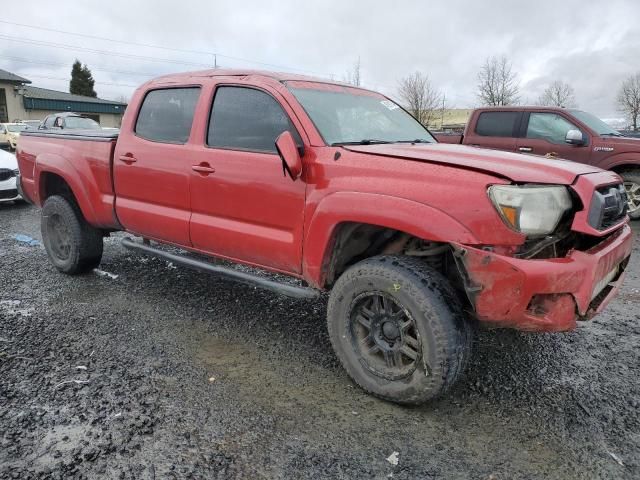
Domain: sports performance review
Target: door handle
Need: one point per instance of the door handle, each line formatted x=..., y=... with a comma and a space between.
x=127, y=158
x=203, y=168
x=525, y=149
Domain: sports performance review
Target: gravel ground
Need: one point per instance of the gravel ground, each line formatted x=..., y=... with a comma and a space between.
x=165, y=373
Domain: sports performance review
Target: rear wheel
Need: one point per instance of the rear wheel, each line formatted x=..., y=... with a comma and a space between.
x=631, y=180
x=398, y=329
x=72, y=244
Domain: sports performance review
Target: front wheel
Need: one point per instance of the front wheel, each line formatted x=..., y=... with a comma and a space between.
x=72, y=244
x=631, y=179
x=398, y=329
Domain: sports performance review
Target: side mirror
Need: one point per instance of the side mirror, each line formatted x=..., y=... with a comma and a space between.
x=574, y=137
x=289, y=154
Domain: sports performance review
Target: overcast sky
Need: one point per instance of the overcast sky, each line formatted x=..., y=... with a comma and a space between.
x=593, y=47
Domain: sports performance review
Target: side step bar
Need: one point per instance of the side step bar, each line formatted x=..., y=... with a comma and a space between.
x=242, y=277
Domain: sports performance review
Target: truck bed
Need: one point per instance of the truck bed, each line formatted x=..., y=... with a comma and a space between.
x=448, y=137
x=92, y=135
x=83, y=157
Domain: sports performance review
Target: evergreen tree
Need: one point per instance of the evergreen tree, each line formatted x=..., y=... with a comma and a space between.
x=82, y=81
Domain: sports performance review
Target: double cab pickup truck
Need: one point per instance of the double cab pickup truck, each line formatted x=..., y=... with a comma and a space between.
x=339, y=187
x=557, y=133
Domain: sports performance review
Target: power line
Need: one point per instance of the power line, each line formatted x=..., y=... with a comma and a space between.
x=54, y=64
x=97, y=83
x=101, y=52
x=96, y=37
x=161, y=47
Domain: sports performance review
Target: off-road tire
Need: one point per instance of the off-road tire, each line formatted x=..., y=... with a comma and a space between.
x=632, y=175
x=83, y=245
x=446, y=336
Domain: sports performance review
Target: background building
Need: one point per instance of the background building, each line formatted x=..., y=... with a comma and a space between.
x=450, y=120
x=21, y=101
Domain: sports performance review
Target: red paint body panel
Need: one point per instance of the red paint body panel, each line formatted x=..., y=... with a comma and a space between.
x=238, y=204
x=87, y=171
x=604, y=152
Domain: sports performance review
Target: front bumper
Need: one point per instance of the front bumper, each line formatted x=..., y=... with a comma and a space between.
x=9, y=190
x=544, y=294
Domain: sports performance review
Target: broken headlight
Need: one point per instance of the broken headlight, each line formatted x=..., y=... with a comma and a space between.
x=531, y=209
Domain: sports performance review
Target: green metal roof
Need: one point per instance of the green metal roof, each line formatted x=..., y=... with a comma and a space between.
x=44, y=99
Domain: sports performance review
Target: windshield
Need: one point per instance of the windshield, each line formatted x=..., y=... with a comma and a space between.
x=594, y=123
x=16, y=128
x=345, y=115
x=81, y=122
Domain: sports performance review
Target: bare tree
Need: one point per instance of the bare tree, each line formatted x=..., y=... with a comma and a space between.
x=558, y=94
x=629, y=99
x=420, y=97
x=353, y=75
x=497, y=83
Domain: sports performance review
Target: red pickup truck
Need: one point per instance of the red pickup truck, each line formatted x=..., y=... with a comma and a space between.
x=557, y=132
x=341, y=188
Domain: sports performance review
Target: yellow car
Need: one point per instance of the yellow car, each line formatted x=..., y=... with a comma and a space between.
x=9, y=133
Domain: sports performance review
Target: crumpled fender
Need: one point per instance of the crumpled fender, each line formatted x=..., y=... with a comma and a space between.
x=401, y=214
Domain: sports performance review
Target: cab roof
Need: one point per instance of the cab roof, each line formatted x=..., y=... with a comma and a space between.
x=226, y=72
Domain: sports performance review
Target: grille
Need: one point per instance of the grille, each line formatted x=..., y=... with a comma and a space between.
x=12, y=193
x=6, y=174
x=608, y=207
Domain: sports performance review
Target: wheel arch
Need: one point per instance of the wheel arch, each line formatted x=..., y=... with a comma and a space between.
x=621, y=162
x=54, y=175
x=341, y=214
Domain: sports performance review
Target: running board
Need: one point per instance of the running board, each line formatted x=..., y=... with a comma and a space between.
x=230, y=273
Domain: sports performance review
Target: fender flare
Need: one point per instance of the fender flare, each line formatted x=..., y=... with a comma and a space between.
x=58, y=165
x=417, y=219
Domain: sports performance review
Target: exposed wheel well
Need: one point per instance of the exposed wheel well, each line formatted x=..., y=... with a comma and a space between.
x=53, y=184
x=353, y=242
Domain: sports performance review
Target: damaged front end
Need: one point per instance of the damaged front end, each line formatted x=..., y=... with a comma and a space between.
x=551, y=282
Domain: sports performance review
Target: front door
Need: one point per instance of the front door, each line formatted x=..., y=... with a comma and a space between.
x=152, y=167
x=545, y=135
x=243, y=206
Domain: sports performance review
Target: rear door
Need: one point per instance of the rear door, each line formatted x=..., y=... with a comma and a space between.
x=544, y=133
x=152, y=166
x=496, y=130
x=243, y=206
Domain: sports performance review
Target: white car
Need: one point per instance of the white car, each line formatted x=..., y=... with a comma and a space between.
x=8, y=174
x=9, y=133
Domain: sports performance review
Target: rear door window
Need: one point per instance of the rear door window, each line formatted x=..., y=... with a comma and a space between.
x=166, y=115
x=497, y=124
x=247, y=119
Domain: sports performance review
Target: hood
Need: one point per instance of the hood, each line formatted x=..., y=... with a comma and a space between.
x=8, y=160
x=513, y=166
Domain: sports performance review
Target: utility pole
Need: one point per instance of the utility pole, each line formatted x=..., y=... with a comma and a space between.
x=442, y=112
x=215, y=61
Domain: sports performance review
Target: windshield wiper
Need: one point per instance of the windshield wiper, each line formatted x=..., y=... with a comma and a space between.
x=417, y=140
x=612, y=134
x=366, y=141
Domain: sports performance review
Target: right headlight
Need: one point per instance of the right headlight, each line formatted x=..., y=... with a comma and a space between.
x=531, y=209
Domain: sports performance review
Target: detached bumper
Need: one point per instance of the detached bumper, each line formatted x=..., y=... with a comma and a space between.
x=545, y=294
